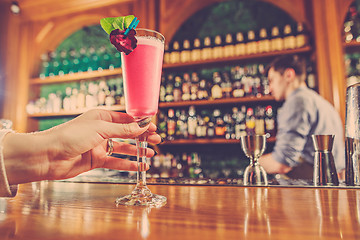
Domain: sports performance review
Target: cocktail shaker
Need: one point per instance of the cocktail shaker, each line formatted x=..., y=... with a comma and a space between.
x=352, y=132
x=324, y=167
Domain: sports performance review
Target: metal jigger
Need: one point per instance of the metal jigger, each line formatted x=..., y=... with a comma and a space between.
x=324, y=167
x=253, y=147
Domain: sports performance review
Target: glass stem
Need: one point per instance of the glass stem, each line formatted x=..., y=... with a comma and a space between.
x=141, y=146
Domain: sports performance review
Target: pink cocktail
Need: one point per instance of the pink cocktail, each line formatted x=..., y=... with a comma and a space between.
x=142, y=74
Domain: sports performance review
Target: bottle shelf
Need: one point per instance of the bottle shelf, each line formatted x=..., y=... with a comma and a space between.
x=218, y=61
x=76, y=77
x=223, y=101
x=207, y=141
x=350, y=46
x=73, y=113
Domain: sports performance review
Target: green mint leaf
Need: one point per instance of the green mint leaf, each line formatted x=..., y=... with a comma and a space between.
x=119, y=23
x=107, y=24
x=128, y=19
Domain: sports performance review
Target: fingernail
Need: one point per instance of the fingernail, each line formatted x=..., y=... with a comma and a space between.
x=143, y=123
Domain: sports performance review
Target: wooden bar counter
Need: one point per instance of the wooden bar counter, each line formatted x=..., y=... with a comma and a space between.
x=64, y=210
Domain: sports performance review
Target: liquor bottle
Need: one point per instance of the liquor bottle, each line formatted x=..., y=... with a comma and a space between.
x=252, y=44
x=202, y=93
x=210, y=132
x=184, y=166
x=196, y=50
x=155, y=166
x=239, y=118
x=175, y=53
x=179, y=123
x=185, y=54
x=250, y=122
x=229, y=47
x=237, y=73
x=171, y=125
x=64, y=66
x=110, y=96
x=217, y=47
x=240, y=45
x=216, y=91
x=229, y=126
x=44, y=70
x=93, y=59
x=162, y=124
x=167, y=53
x=84, y=60
x=206, y=51
x=301, y=36
x=54, y=64
x=257, y=87
x=175, y=167
x=101, y=95
x=192, y=122
x=269, y=121
x=247, y=81
x=177, y=89
x=81, y=96
x=264, y=41
x=289, y=37
x=183, y=124
x=186, y=87
x=73, y=99
x=219, y=124
x=199, y=127
x=162, y=93
x=226, y=85
x=259, y=120
x=277, y=43
x=194, y=86
x=264, y=80
x=310, y=76
x=169, y=89
x=74, y=61
x=66, y=101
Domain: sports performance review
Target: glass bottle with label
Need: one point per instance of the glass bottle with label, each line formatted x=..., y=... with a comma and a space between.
x=194, y=86
x=186, y=86
x=219, y=124
x=269, y=121
x=259, y=120
x=167, y=53
x=185, y=54
x=229, y=47
x=171, y=125
x=237, y=73
x=240, y=45
x=250, y=122
x=206, y=51
x=218, y=47
x=202, y=93
x=175, y=53
x=169, y=89
x=196, y=50
x=216, y=91
x=226, y=85
x=301, y=37
x=277, y=43
x=264, y=41
x=177, y=89
x=289, y=37
x=192, y=122
x=252, y=44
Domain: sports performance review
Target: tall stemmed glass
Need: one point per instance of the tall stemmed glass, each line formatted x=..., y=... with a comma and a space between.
x=142, y=75
x=253, y=147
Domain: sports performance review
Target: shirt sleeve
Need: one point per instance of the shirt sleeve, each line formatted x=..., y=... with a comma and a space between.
x=294, y=125
x=6, y=190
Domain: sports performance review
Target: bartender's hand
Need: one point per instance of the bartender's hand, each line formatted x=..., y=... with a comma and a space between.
x=73, y=147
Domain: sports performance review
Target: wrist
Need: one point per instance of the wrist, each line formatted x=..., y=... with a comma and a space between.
x=25, y=157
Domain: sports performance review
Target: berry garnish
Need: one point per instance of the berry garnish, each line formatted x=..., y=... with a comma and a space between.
x=123, y=43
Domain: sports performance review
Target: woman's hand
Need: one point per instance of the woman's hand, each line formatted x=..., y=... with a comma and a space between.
x=74, y=147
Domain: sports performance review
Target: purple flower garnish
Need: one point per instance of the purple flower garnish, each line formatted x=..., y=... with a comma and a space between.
x=123, y=43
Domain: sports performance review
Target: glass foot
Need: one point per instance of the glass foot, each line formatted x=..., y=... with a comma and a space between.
x=142, y=197
x=255, y=175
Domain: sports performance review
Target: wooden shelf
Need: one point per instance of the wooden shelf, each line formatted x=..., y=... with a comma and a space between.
x=75, y=77
x=222, y=101
x=74, y=113
x=351, y=46
x=218, y=61
x=207, y=141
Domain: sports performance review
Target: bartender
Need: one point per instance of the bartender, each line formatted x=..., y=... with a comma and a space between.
x=304, y=113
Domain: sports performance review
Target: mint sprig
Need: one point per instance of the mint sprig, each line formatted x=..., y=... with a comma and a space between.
x=111, y=23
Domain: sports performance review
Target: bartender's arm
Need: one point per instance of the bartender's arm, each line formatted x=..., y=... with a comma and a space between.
x=272, y=166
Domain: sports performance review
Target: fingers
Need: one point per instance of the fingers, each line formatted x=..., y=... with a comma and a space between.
x=154, y=138
x=125, y=165
x=129, y=149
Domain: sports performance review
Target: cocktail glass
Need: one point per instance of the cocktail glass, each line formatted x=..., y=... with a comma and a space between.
x=142, y=74
x=253, y=147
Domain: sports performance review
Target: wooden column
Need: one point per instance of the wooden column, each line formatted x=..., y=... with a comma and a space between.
x=328, y=27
